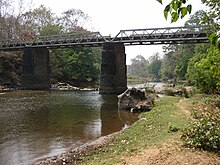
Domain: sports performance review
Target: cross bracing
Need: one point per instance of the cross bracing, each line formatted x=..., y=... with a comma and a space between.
x=148, y=36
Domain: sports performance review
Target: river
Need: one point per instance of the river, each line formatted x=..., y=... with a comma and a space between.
x=38, y=124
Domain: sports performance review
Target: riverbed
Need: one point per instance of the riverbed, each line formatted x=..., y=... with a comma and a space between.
x=39, y=124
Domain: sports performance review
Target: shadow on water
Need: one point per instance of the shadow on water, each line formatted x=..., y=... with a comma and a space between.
x=118, y=119
x=37, y=124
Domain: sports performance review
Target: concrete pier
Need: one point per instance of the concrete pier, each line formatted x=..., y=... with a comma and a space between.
x=36, y=69
x=113, y=69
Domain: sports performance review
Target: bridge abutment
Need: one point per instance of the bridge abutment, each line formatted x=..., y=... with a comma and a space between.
x=36, y=69
x=113, y=69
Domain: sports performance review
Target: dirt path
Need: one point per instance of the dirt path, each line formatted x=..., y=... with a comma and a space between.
x=171, y=153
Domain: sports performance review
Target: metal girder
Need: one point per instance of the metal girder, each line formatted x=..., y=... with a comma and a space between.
x=168, y=35
x=187, y=34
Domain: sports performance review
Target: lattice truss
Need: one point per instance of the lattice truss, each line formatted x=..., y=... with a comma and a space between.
x=170, y=35
x=65, y=40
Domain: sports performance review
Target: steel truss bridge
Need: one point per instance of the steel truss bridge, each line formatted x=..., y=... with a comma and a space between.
x=150, y=36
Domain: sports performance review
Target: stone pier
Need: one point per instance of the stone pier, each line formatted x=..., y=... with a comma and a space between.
x=36, y=69
x=113, y=69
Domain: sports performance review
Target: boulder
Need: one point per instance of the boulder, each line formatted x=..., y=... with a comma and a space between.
x=134, y=100
x=144, y=105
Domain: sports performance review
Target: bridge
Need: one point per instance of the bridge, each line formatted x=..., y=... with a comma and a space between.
x=36, y=65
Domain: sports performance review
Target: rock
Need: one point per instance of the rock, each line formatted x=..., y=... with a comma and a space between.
x=144, y=105
x=64, y=86
x=134, y=100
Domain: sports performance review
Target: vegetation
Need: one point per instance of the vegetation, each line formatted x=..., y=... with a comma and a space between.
x=204, y=130
x=69, y=65
x=197, y=65
x=148, y=69
x=176, y=8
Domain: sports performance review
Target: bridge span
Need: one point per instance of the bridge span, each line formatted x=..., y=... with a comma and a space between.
x=36, y=66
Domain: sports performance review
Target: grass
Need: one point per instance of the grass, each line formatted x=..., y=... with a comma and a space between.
x=154, y=127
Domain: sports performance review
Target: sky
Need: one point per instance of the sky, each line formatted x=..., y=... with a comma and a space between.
x=109, y=17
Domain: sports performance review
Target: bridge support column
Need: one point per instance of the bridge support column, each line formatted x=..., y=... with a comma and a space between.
x=36, y=69
x=113, y=69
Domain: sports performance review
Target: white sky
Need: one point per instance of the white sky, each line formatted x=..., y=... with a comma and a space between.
x=109, y=17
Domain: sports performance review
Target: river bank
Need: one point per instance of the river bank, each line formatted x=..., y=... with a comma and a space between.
x=153, y=139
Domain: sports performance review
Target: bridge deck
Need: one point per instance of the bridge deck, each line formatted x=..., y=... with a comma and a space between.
x=150, y=36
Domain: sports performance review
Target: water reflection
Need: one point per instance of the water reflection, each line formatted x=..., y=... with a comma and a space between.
x=117, y=119
x=37, y=124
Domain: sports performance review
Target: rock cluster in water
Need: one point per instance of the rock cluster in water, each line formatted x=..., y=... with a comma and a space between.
x=66, y=86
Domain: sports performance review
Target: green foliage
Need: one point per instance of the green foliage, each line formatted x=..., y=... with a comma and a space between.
x=204, y=132
x=177, y=8
x=204, y=71
x=77, y=65
x=215, y=39
x=50, y=30
x=154, y=67
x=143, y=68
x=185, y=53
x=172, y=128
x=137, y=67
x=169, y=61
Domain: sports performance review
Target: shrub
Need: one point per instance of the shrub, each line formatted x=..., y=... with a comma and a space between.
x=203, y=133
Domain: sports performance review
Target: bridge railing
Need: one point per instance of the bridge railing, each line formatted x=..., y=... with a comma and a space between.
x=56, y=40
x=153, y=35
x=71, y=38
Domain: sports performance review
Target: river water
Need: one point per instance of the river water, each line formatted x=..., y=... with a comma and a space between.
x=38, y=124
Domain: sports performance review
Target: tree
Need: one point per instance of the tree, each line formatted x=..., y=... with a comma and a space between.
x=51, y=29
x=80, y=65
x=154, y=67
x=200, y=17
x=34, y=21
x=72, y=19
x=137, y=66
x=204, y=71
x=169, y=61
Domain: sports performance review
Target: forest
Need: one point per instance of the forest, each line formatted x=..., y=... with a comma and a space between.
x=79, y=66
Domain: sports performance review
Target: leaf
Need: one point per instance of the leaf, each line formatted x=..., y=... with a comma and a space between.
x=213, y=39
x=167, y=8
x=174, y=16
x=183, y=12
x=175, y=6
x=166, y=11
x=189, y=8
x=160, y=1
x=165, y=14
